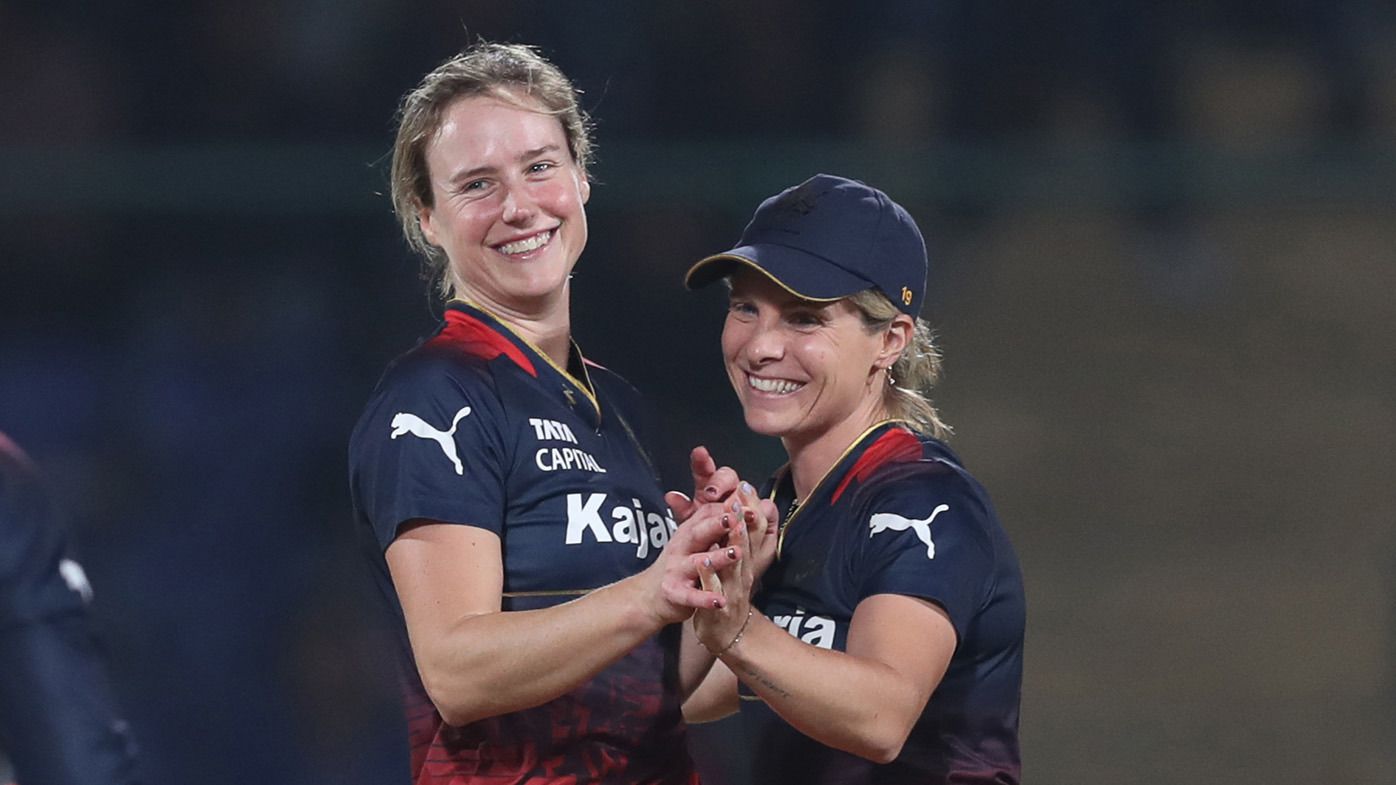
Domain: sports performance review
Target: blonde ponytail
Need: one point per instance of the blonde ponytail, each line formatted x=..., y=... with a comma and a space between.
x=914, y=373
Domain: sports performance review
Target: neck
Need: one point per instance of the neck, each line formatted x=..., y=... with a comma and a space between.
x=546, y=323
x=812, y=457
x=552, y=338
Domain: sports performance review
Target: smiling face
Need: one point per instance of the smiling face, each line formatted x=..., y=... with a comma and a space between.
x=804, y=371
x=507, y=204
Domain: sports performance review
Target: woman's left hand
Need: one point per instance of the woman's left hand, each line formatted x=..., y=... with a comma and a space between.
x=762, y=528
x=711, y=483
x=718, y=628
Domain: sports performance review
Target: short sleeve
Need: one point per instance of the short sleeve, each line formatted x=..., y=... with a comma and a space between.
x=925, y=535
x=429, y=445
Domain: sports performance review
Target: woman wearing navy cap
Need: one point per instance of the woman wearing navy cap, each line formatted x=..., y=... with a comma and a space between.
x=878, y=638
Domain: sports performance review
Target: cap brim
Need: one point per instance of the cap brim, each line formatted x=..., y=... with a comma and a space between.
x=803, y=274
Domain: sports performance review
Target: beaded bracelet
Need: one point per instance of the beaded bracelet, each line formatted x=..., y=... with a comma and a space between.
x=735, y=638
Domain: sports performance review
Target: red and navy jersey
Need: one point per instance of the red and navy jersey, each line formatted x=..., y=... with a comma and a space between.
x=59, y=721
x=898, y=514
x=477, y=427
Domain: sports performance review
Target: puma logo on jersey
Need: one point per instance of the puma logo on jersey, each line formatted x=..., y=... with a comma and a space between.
x=890, y=521
x=407, y=422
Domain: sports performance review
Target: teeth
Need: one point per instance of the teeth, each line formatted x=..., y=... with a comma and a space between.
x=777, y=386
x=527, y=244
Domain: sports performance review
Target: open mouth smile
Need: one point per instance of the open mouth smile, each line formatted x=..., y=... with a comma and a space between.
x=526, y=245
x=773, y=386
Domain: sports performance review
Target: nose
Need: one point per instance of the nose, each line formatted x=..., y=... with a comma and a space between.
x=765, y=344
x=519, y=207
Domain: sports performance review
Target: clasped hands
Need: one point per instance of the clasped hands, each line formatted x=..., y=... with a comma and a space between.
x=725, y=541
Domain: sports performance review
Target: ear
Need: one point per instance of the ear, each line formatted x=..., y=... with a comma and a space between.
x=424, y=222
x=584, y=187
x=895, y=340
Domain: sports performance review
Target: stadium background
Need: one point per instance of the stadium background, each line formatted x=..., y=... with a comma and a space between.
x=1164, y=251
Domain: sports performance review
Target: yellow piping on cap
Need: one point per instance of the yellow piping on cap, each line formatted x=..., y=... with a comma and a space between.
x=731, y=257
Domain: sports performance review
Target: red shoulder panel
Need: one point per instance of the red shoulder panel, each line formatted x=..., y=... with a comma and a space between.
x=896, y=446
x=477, y=339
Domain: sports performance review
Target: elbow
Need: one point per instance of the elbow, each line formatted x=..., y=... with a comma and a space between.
x=452, y=718
x=453, y=700
x=452, y=710
x=884, y=753
x=453, y=714
x=457, y=712
x=884, y=741
x=879, y=750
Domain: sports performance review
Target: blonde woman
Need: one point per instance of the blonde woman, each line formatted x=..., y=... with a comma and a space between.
x=883, y=643
x=522, y=536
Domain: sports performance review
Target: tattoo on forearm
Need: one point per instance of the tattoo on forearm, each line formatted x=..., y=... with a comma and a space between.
x=760, y=678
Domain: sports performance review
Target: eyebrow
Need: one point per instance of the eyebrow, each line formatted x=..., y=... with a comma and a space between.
x=526, y=155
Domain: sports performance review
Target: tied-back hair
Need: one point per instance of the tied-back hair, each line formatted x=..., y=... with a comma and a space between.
x=914, y=373
x=514, y=73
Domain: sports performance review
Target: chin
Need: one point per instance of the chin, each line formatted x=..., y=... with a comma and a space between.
x=540, y=287
x=765, y=424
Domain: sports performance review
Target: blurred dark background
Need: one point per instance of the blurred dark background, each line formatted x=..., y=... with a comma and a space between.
x=1163, y=243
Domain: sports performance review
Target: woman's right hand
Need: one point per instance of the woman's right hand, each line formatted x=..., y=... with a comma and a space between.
x=719, y=495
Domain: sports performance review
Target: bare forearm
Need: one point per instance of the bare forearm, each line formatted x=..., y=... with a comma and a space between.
x=709, y=687
x=495, y=663
x=476, y=661
x=695, y=662
x=850, y=703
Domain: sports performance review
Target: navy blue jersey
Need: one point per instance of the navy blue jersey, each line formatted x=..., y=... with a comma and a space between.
x=899, y=515
x=58, y=718
x=477, y=427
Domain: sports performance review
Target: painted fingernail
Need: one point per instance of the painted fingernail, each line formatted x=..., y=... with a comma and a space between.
x=731, y=553
x=726, y=522
x=711, y=490
x=737, y=507
x=717, y=603
x=746, y=487
x=709, y=562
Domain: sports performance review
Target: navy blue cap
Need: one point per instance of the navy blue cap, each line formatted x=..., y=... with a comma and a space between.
x=827, y=238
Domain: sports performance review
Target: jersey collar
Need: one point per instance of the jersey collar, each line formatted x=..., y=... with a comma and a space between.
x=835, y=479
x=576, y=380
